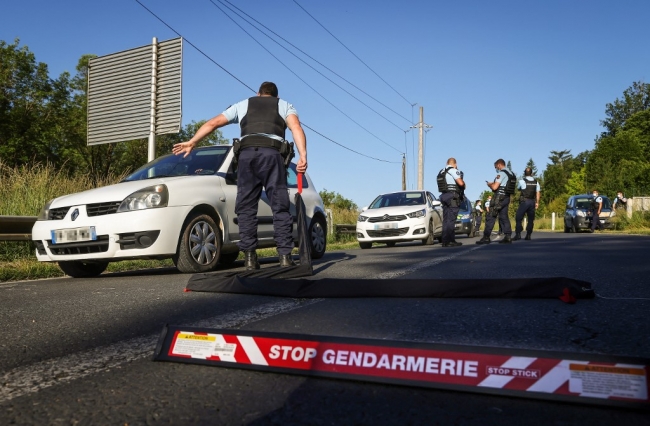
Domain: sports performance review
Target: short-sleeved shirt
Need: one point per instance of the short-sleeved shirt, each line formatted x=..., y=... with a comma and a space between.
x=451, y=176
x=598, y=199
x=522, y=183
x=478, y=208
x=235, y=113
x=622, y=203
x=502, y=178
x=487, y=204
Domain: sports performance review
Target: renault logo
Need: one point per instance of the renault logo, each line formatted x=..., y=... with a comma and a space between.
x=75, y=214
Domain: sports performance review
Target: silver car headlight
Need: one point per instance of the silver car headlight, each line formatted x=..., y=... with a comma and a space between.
x=45, y=211
x=581, y=213
x=419, y=213
x=362, y=218
x=612, y=213
x=147, y=198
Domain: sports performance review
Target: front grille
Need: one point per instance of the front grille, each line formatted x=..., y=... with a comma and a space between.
x=100, y=245
x=387, y=218
x=398, y=232
x=100, y=209
x=58, y=213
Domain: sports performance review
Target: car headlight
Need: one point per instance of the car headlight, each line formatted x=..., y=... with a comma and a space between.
x=419, y=213
x=146, y=198
x=612, y=213
x=45, y=211
x=581, y=213
x=362, y=218
x=463, y=216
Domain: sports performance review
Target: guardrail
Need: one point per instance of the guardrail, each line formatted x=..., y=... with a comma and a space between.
x=16, y=228
x=345, y=229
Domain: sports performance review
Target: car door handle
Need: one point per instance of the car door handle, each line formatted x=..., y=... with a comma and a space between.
x=222, y=199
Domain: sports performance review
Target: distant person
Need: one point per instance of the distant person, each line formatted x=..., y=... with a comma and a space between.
x=596, y=207
x=478, y=216
x=451, y=185
x=620, y=202
x=528, y=203
x=503, y=187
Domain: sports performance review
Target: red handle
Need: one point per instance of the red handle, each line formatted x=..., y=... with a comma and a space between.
x=299, y=183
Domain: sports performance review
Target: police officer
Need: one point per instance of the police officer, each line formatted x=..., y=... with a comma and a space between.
x=263, y=120
x=503, y=187
x=528, y=202
x=451, y=185
x=596, y=207
x=478, y=216
x=487, y=211
x=620, y=202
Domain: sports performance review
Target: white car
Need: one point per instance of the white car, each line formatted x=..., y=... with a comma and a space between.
x=173, y=207
x=400, y=216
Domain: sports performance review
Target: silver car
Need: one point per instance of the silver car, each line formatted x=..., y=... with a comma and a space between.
x=173, y=207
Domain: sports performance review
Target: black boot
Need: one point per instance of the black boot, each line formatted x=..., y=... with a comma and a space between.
x=484, y=240
x=506, y=240
x=250, y=260
x=527, y=235
x=517, y=236
x=286, y=260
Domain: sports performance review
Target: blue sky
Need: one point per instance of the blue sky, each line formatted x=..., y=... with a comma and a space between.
x=496, y=79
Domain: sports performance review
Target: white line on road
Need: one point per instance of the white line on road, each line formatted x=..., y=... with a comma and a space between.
x=32, y=378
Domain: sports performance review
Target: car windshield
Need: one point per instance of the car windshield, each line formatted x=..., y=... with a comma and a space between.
x=585, y=203
x=201, y=161
x=398, y=199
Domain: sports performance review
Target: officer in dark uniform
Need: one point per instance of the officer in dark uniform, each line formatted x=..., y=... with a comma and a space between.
x=620, y=202
x=263, y=120
x=451, y=185
x=596, y=207
x=503, y=187
x=478, y=216
x=528, y=202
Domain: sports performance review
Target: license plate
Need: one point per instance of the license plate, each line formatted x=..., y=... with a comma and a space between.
x=390, y=225
x=73, y=235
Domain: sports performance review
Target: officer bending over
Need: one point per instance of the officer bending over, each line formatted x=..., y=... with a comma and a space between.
x=263, y=120
x=503, y=187
x=451, y=185
x=528, y=202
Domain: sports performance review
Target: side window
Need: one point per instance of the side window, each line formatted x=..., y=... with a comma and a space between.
x=292, y=178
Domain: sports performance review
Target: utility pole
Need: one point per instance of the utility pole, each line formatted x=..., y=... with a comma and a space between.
x=421, y=125
x=403, y=172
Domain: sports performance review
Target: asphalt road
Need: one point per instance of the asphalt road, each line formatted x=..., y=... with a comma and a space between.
x=78, y=351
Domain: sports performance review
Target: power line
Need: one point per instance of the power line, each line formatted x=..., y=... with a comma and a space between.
x=360, y=60
x=307, y=84
x=250, y=88
x=313, y=59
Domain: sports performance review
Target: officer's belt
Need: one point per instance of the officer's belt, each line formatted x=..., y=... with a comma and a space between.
x=260, y=141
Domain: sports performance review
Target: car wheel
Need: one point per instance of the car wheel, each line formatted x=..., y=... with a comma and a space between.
x=318, y=237
x=228, y=259
x=81, y=269
x=429, y=240
x=576, y=229
x=199, y=246
x=391, y=243
x=566, y=229
x=365, y=245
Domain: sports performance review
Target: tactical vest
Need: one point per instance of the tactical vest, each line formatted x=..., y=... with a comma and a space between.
x=262, y=116
x=510, y=187
x=620, y=204
x=594, y=204
x=531, y=189
x=443, y=186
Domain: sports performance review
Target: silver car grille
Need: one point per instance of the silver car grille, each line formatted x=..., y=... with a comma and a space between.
x=387, y=218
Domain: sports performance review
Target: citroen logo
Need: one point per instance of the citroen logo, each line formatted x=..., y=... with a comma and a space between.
x=75, y=214
x=385, y=217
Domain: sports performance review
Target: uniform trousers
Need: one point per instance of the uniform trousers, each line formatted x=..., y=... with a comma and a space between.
x=526, y=207
x=263, y=168
x=504, y=221
x=449, y=215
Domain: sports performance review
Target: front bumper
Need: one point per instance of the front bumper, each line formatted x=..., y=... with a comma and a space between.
x=405, y=230
x=151, y=233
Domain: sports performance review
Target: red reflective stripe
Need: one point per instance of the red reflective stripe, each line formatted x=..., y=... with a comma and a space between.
x=299, y=183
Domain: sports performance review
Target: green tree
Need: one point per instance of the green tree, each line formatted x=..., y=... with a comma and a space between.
x=577, y=182
x=532, y=166
x=636, y=98
x=333, y=199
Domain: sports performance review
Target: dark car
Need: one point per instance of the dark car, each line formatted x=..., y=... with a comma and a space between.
x=578, y=214
x=465, y=219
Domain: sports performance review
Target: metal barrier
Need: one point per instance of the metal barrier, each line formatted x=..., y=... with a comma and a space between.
x=345, y=229
x=16, y=228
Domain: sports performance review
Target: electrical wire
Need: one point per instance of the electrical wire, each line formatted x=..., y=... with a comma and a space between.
x=307, y=84
x=313, y=59
x=250, y=88
x=360, y=60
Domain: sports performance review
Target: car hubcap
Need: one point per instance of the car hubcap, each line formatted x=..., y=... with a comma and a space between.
x=317, y=237
x=202, y=243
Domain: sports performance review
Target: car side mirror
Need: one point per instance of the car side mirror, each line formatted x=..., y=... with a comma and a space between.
x=436, y=203
x=231, y=178
x=364, y=209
